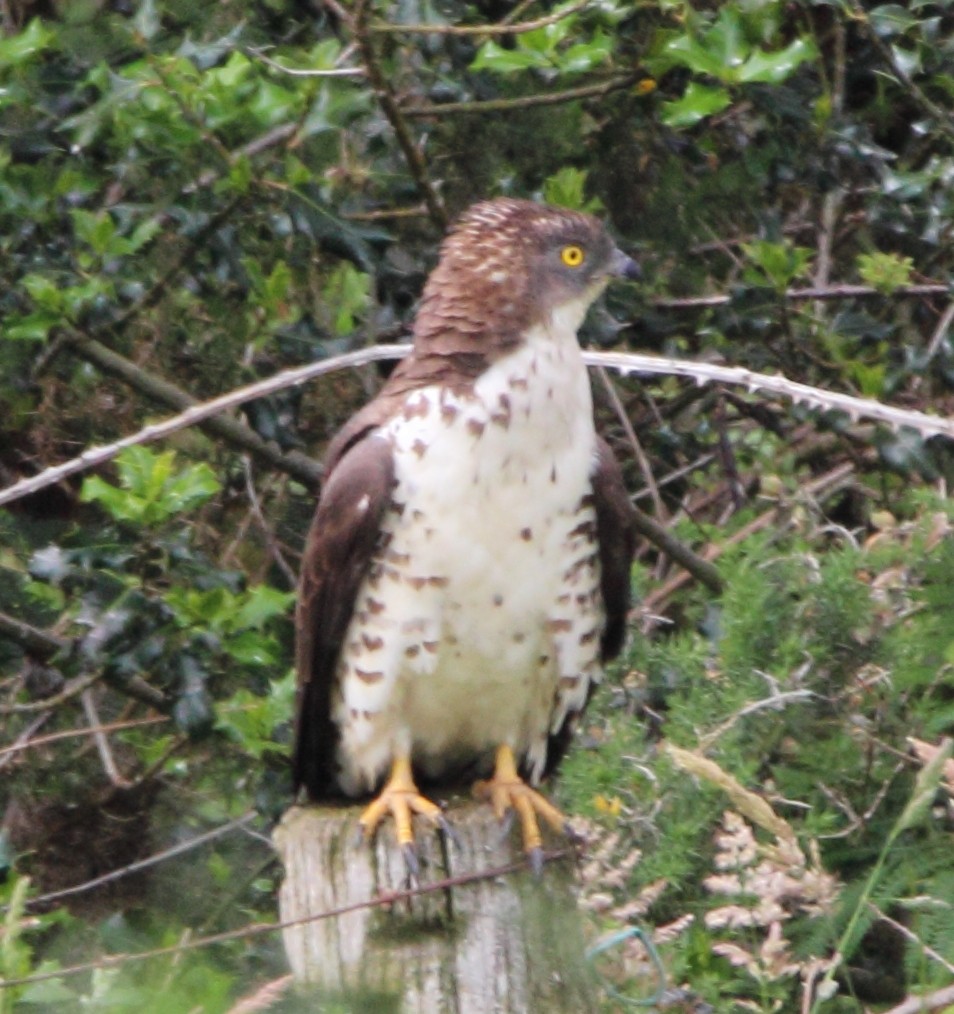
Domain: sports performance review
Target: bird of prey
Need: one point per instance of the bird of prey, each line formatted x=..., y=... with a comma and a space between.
x=467, y=570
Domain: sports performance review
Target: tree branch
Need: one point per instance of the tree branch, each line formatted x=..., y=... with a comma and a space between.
x=396, y=117
x=501, y=28
x=524, y=102
x=234, y=432
x=798, y=295
x=44, y=646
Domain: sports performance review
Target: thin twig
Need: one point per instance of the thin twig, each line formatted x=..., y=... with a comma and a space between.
x=258, y=54
x=940, y=332
x=143, y=864
x=102, y=743
x=36, y=642
x=502, y=28
x=856, y=821
x=836, y=479
x=396, y=116
x=831, y=202
x=799, y=295
x=912, y=937
x=26, y=739
x=385, y=899
x=54, y=737
x=270, y=541
x=658, y=506
x=44, y=646
x=72, y=689
x=776, y=702
x=524, y=102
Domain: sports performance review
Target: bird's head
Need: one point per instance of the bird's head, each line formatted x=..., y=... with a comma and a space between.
x=510, y=265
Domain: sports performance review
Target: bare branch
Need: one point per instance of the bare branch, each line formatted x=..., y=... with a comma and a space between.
x=625, y=362
x=102, y=742
x=798, y=295
x=142, y=864
x=524, y=102
x=502, y=28
x=32, y=741
x=259, y=54
x=396, y=116
x=43, y=646
x=298, y=465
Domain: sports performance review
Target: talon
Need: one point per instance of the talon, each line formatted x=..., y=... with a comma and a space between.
x=510, y=796
x=411, y=862
x=447, y=829
x=535, y=860
x=506, y=823
x=400, y=798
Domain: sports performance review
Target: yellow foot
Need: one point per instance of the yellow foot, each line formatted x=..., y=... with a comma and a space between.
x=400, y=798
x=508, y=792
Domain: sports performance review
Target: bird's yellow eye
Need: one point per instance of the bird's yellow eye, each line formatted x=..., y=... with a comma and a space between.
x=572, y=256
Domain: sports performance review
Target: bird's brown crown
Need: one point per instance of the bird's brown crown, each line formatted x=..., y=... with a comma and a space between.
x=505, y=266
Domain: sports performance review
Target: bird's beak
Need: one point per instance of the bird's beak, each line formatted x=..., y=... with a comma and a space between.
x=624, y=266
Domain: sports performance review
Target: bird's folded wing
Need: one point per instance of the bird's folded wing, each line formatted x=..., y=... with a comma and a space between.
x=337, y=555
x=616, y=536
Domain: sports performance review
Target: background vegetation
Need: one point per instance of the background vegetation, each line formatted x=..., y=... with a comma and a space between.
x=194, y=196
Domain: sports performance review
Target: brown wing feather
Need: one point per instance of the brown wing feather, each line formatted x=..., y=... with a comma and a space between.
x=616, y=535
x=341, y=543
x=616, y=544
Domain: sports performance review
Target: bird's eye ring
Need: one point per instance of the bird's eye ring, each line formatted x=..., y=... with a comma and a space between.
x=572, y=256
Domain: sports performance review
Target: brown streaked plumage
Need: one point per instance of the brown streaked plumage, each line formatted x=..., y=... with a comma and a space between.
x=467, y=569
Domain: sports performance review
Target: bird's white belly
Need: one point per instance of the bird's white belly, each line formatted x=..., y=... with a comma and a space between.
x=478, y=624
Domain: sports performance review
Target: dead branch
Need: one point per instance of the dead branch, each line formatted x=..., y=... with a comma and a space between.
x=308, y=471
x=809, y=293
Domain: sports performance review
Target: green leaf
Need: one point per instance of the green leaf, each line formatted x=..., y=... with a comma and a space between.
x=566, y=188
x=151, y=490
x=347, y=294
x=262, y=603
x=891, y=19
x=774, y=68
x=43, y=291
x=698, y=102
x=35, y=327
x=886, y=272
x=779, y=264
x=492, y=56
x=21, y=46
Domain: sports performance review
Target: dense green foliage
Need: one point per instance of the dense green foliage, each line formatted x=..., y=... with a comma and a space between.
x=184, y=200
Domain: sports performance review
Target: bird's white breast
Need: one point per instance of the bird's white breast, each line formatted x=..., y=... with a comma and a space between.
x=479, y=621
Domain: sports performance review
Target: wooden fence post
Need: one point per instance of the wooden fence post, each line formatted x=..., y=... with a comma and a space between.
x=508, y=944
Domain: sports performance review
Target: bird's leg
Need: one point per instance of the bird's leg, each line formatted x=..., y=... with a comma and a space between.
x=400, y=797
x=506, y=791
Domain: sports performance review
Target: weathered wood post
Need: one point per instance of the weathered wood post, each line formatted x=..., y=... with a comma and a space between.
x=507, y=944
